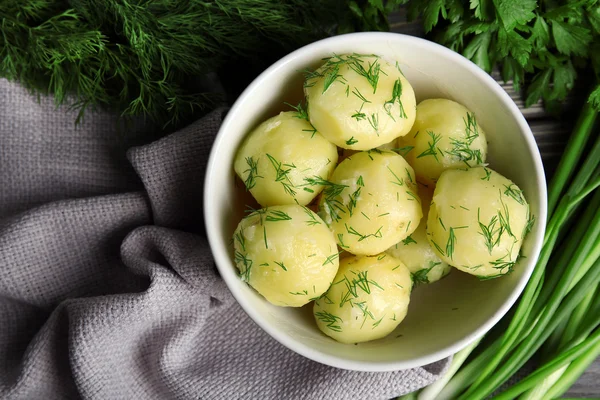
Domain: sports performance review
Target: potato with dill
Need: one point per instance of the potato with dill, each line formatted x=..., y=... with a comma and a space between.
x=445, y=135
x=286, y=253
x=368, y=299
x=276, y=158
x=371, y=202
x=359, y=101
x=415, y=251
x=477, y=221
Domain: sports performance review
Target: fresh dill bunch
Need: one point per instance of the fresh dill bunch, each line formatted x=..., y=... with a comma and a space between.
x=157, y=58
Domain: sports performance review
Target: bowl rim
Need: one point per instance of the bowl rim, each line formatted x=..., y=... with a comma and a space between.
x=220, y=252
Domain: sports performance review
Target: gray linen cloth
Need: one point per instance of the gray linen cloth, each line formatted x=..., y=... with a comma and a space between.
x=107, y=285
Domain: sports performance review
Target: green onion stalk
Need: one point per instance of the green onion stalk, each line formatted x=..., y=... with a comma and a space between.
x=556, y=322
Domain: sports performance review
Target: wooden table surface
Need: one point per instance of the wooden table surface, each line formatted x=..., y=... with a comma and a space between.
x=551, y=136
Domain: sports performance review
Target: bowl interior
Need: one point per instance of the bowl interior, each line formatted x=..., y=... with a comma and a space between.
x=443, y=317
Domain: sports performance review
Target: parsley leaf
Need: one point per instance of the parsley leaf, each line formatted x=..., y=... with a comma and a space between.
x=570, y=38
x=515, y=12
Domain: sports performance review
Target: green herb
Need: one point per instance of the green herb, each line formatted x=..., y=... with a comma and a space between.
x=340, y=237
x=351, y=141
x=403, y=151
x=432, y=150
x=265, y=237
x=359, y=115
x=352, y=199
x=464, y=208
x=331, y=258
x=381, y=257
x=488, y=174
x=331, y=195
x=301, y=112
x=409, y=240
x=529, y=225
x=396, y=94
x=556, y=318
x=281, y=265
x=360, y=181
x=331, y=321
x=490, y=234
x=413, y=196
x=383, y=215
x=452, y=241
x=397, y=180
x=421, y=276
x=504, y=218
x=252, y=172
x=437, y=247
x=365, y=310
x=461, y=149
x=441, y=223
x=362, y=237
x=302, y=293
x=311, y=215
x=376, y=324
x=514, y=192
x=331, y=76
x=239, y=237
x=371, y=75
x=360, y=281
x=244, y=264
x=277, y=215
x=365, y=215
x=281, y=175
x=374, y=122
x=542, y=44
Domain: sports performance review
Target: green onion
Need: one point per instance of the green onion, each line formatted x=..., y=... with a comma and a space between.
x=558, y=314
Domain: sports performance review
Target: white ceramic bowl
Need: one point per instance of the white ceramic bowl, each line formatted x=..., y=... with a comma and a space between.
x=443, y=317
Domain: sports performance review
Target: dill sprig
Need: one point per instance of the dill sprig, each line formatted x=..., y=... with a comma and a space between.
x=159, y=58
x=409, y=239
x=359, y=115
x=300, y=109
x=252, y=171
x=452, y=241
x=331, y=196
x=488, y=174
x=330, y=259
x=281, y=175
x=432, y=150
x=362, y=237
x=513, y=191
x=244, y=264
x=396, y=94
x=359, y=281
x=277, y=215
x=371, y=74
x=330, y=320
x=421, y=276
x=312, y=220
x=490, y=233
x=374, y=122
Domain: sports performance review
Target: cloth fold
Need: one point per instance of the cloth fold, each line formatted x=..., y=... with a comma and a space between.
x=108, y=289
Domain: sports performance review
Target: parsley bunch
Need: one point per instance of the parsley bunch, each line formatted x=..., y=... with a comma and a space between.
x=158, y=58
x=543, y=43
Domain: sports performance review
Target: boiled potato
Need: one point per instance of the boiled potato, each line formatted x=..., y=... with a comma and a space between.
x=286, y=253
x=360, y=102
x=477, y=221
x=368, y=299
x=445, y=135
x=371, y=202
x=416, y=252
x=279, y=154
